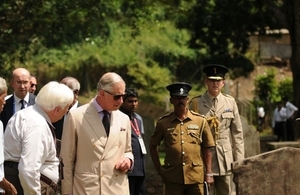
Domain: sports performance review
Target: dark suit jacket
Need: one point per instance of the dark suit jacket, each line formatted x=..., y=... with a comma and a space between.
x=139, y=157
x=139, y=160
x=9, y=108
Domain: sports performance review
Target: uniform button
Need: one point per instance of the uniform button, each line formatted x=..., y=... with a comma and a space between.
x=183, y=152
x=181, y=123
x=183, y=164
x=182, y=142
x=182, y=132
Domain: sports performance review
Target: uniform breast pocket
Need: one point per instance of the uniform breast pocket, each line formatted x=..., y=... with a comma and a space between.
x=227, y=118
x=194, y=137
x=172, y=138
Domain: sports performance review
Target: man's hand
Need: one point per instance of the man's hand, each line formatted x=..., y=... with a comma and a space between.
x=124, y=164
x=8, y=187
x=209, y=180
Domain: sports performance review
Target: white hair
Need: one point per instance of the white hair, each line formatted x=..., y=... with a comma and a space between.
x=53, y=95
x=3, y=86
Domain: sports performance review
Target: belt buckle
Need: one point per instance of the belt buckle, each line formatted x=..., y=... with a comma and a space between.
x=53, y=186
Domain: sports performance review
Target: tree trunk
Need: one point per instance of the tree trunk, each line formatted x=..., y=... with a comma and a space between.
x=294, y=25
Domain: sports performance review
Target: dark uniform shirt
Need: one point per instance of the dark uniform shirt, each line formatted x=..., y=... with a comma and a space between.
x=183, y=141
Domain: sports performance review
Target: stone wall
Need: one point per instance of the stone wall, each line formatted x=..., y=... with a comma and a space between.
x=271, y=173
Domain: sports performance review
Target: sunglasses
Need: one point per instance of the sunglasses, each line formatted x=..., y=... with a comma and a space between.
x=33, y=85
x=116, y=97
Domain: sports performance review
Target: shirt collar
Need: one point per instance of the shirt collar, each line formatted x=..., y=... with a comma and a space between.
x=98, y=107
x=26, y=98
x=212, y=97
x=75, y=105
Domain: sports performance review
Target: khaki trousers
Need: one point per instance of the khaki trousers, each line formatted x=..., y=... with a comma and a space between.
x=223, y=185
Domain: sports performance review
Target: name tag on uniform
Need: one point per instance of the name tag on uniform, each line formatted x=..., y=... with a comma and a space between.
x=141, y=141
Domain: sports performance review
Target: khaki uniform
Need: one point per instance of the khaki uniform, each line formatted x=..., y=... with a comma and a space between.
x=228, y=133
x=183, y=141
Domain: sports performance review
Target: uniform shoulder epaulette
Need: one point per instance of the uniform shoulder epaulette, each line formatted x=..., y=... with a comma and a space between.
x=227, y=95
x=165, y=115
x=196, y=113
x=195, y=97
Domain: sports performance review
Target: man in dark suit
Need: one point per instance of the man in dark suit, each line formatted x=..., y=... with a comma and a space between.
x=21, y=97
x=137, y=175
x=74, y=85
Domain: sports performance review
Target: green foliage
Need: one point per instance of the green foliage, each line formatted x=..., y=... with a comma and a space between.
x=150, y=43
x=266, y=88
x=285, y=88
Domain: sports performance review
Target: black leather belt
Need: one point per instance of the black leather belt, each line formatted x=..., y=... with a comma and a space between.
x=49, y=182
x=11, y=164
x=43, y=178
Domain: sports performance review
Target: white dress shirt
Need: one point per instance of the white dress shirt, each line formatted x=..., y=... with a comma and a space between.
x=18, y=104
x=290, y=109
x=28, y=140
x=279, y=116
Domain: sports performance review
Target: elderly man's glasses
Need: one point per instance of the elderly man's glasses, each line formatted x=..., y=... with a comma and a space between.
x=116, y=97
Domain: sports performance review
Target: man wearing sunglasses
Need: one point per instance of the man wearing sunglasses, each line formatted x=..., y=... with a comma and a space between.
x=96, y=143
x=33, y=84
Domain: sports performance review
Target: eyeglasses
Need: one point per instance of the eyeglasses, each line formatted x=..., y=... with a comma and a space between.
x=33, y=85
x=116, y=97
x=22, y=82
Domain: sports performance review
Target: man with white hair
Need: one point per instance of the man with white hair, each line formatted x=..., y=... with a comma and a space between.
x=31, y=161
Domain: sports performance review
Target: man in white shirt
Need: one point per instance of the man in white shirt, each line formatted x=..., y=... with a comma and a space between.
x=279, y=121
x=29, y=142
x=291, y=111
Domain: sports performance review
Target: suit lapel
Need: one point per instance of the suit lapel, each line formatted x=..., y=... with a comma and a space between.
x=31, y=99
x=206, y=100
x=92, y=116
x=10, y=107
x=114, y=131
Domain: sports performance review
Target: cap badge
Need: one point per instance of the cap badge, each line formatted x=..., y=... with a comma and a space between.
x=215, y=69
x=181, y=90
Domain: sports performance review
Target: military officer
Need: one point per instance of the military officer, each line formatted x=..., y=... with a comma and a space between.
x=222, y=114
x=187, y=139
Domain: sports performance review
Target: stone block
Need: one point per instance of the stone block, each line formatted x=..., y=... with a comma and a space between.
x=271, y=173
x=251, y=139
x=276, y=145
